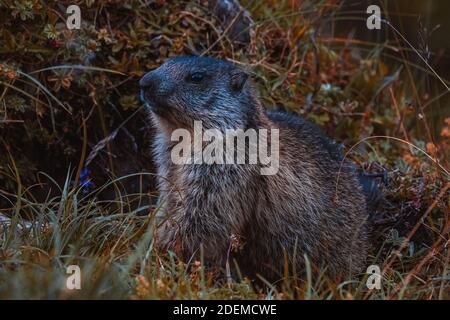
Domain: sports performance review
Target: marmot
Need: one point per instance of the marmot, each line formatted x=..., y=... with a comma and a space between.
x=314, y=206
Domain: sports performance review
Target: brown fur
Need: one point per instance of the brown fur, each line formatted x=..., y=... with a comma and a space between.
x=303, y=210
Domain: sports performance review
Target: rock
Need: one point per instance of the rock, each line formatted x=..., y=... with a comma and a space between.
x=230, y=12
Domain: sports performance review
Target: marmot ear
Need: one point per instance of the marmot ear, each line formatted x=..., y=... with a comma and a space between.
x=238, y=79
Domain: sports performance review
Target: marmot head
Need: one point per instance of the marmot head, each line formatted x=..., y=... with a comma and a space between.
x=188, y=89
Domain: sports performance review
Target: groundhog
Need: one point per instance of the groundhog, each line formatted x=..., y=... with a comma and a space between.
x=312, y=206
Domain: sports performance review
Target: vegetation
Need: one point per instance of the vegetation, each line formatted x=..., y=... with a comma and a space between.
x=76, y=176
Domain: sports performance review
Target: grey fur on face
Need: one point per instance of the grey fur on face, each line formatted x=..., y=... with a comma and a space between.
x=193, y=89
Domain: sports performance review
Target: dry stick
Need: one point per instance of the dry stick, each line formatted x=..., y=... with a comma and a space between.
x=400, y=117
x=105, y=131
x=419, y=103
x=12, y=121
x=102, y=143
x=22, y=92
x=444, y=273
x=419, y=266
x=354, y=41
x=418, y=53
x=223, y=34
x=413, y=231
x=205, y=21
x=83, y=151
x=41, y=86
x=256, y=64
x=435, y=99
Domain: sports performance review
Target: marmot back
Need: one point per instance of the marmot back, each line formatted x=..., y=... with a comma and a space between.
x=313, y=206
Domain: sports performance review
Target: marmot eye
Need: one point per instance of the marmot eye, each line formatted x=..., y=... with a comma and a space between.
x=197, y=77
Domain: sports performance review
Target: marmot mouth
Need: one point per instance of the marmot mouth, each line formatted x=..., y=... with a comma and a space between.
x=153, y=103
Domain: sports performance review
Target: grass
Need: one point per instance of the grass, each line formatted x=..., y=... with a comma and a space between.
x=386, y=106
x=112, y=244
